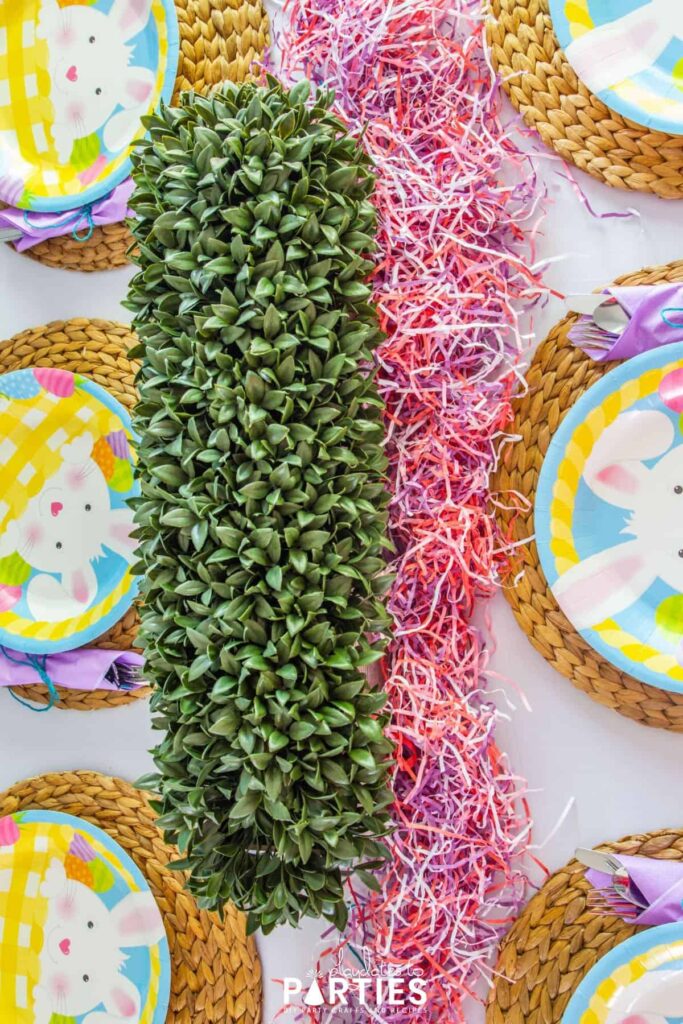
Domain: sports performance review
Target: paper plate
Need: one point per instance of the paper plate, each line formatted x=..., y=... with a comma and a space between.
x=76, y=76
x=638, y=982
x=609, y=517
x=629, y=53
x=80, y=932
x=66, y=474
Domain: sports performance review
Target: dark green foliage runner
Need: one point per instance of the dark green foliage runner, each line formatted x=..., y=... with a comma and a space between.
x=262, y=518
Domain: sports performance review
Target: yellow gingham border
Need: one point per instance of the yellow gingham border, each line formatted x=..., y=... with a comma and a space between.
x=569, y=473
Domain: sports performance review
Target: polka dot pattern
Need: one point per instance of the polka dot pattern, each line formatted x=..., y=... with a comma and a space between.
x=21, y=384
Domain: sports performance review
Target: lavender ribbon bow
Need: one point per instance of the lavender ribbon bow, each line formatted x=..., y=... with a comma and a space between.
x=658, y=883
x=656, y=318
x=80, y=222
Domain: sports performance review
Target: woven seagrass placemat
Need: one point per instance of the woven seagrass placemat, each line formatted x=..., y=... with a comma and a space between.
x=216, y=972
x=98, y=349
x=219, y=41
x=559, y=374
x=558, y=938
x=543, y=86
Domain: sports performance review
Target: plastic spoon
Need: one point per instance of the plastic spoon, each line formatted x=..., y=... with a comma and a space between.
x=611, y=318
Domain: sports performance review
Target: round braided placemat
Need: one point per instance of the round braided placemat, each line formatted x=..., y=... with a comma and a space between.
x=219, y=41
x=98, y=349
x=216, y=972
x=558, y=938
x=557, y=377
x=543, y=86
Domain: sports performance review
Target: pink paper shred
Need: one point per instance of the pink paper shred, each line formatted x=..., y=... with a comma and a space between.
x=457, y=209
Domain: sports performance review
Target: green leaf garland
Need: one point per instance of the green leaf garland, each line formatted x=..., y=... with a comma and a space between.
x=262, y=520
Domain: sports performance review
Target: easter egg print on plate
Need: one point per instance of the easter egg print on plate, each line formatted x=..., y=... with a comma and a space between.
x=66, y=474
x=75, y=81
x=609, y=517
x=629, y=53
x=640, y=981
x=83, y=940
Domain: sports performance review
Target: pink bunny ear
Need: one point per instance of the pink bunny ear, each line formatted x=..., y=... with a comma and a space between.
x=122, y=1000
x=130, y=16
x=618, y=483
x=138, y=88
x=619, y=480
x=604, y=584
x=137, y=921
x=638, y=1018
x=136, y=97
x=614, y=470
x=81, y=584
x=606, y=55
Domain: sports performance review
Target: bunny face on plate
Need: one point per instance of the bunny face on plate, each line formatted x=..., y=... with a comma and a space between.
x=70, y=110
x=83, y=938
x=66, y=477
x=83, y=952
x=64, y=531
x=609, y=517
x=636, y=465
x=92, y=74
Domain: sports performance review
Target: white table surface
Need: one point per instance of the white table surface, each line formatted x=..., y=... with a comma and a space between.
x=616, y=777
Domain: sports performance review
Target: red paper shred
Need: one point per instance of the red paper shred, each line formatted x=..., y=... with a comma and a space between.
x=458, y=211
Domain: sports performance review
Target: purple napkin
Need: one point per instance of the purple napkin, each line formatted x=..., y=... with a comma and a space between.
x=656, y=313
x=36, y=227
x=84, y=669
x=659, y=882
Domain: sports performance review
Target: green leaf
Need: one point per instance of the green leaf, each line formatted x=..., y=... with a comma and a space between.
x=363, y=758
x=313, y=539
x=254, y=387
x=245, y=807
x=302, y=730
x=274, y=577
x=271, y=322
x=225, y=725
x=342, y=179
x=257, y=489
x=333, y=771
x=299, y=93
